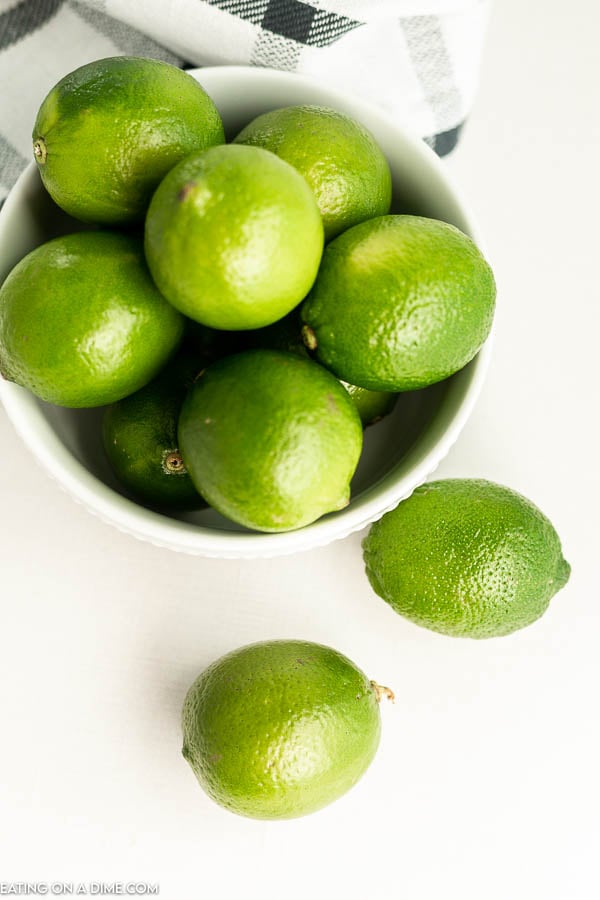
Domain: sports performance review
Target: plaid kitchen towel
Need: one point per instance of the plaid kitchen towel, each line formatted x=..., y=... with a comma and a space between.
x=418, y=59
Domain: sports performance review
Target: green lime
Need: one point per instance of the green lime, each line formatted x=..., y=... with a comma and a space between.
x=372, y=406
x=81, y=321
x=140, y=438
x=270, y=440
x=400, y=302
x=108, y=132
x=286, y=334
x=234, y=237
x=467, y=558
x=338, y=156
x=281, y=728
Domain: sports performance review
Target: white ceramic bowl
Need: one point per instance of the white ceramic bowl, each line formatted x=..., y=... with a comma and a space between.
x=399, y=453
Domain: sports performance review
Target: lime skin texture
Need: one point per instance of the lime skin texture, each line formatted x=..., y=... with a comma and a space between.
x=338, y=156
x=466, y=558
x=81, y=321
x=270, y=440
x=140, y=438
x=108, y=132
x=234, y=237
x=400, y=302
x=279, y=729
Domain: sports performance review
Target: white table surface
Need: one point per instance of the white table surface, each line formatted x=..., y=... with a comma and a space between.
x=486, y=783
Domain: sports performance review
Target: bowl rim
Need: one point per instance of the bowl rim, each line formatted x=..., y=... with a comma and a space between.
x=26, y=416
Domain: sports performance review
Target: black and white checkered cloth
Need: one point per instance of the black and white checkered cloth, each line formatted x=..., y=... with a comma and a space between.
x=418, y=59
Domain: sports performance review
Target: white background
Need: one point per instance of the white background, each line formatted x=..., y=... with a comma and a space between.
x=486, y=782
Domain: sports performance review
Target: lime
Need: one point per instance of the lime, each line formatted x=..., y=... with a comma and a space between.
x=234, y=237
x=140, y=438
x=337, y=155
x=281, y=728
x=81, y=321
x=372, y=406
x=400, y=302
x=108, y=132
x=270, y=440
x=467, y=558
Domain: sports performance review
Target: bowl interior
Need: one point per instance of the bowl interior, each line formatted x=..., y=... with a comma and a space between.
x=398, y=453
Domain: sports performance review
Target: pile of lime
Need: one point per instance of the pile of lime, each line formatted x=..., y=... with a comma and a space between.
x=243, y=310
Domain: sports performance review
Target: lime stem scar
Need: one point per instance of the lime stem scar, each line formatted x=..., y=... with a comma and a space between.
x=187, y=188
x=40, y=151
x=309, y=337
x=380, y=692
x=173, y=463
